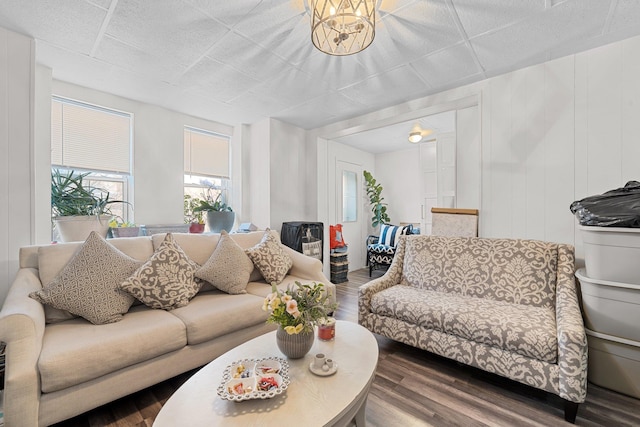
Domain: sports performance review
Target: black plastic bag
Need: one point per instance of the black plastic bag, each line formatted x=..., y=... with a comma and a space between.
x=615, y=208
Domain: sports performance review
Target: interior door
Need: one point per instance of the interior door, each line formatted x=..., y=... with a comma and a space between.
x=429, y=187
x=349, y=210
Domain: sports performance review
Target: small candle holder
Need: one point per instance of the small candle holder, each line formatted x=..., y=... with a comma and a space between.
x=327, y=329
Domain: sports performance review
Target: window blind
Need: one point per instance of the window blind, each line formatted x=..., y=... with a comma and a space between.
x=205, y=153
x=88, y=137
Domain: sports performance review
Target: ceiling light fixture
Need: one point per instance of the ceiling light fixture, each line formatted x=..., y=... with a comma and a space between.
x=342, y=27
x=417, y=133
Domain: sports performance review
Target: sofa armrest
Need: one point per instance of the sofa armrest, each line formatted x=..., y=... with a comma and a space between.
x=309, y=268
x=22, y=325
x=572, y=338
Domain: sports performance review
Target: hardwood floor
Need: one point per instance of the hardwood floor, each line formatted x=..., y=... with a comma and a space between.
x=413, y=388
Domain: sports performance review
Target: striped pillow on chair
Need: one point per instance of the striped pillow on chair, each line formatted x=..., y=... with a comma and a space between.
x=390, y=234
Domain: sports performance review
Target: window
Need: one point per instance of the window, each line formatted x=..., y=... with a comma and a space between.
x=349, y=196
x=88, y=138
x=206, y=164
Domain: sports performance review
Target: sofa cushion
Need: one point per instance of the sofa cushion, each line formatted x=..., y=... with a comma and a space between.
x=228, y=268
x=88, y=285
x=53, y=258
x=268, y=257
x=76, y=351
x=523, y=329
x=167, y=280
x=214, y=313
x=509, y=270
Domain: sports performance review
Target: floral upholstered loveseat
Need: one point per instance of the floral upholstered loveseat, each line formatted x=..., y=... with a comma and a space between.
x=503, y=305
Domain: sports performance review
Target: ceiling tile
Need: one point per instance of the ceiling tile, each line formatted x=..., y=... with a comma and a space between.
x=480, y=16
x=415, y=30
x=522, y=44
x=227, y=12
x=105, y=4
x=165, y=28
x=292, y=87
x=217, y=80
x=384, y=90
x=447, y=65
x=331, y=106
x=625, y=16
x=241, y=53
x=263, y=105
x=336, y=71
x=69, y=24
x=137, y=61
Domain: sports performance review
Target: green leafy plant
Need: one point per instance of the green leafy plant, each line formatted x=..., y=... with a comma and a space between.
x=379, y=209
x=298, y=308
x=211, y=203
x=190, y=215
x=120, y=223
x=71, y=196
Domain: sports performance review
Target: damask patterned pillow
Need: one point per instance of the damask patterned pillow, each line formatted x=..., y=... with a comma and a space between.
x=167, y=280
x=88, y=285
x=270, y=259
x=228, y=268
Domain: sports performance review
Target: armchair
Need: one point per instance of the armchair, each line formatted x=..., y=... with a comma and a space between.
x=382, y=248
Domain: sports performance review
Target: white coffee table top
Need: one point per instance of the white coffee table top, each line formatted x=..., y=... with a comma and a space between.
x=309, y=400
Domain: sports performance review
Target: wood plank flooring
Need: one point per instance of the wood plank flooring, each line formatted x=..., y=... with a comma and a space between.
x=412, y=388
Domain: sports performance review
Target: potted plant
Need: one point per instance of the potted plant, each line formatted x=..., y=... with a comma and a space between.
x=194, y=219
x=379, y=209
x=123, y=228
x=78, y=208
x=220, y=216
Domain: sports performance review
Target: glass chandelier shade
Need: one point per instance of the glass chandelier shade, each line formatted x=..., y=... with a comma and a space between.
x=342, y=27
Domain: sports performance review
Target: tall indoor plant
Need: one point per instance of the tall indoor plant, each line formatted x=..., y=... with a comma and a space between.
x=78, y=208
x=378, y=207
x=220, y=216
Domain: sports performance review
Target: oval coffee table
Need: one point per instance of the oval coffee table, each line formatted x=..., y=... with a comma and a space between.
x=310, y=400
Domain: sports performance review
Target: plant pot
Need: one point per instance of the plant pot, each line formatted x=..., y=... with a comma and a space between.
x=196, y=228
x=219, y=221
x=125, y=231
x=294, y=346
x=78, y=228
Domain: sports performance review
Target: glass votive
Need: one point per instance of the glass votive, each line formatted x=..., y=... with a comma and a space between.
x=327, y=329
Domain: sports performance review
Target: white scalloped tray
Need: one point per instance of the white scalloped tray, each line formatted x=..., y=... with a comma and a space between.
x=245, y=373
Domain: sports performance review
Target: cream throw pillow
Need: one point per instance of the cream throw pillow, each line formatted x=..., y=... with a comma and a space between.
x=228, y=268
x=88, y=285
x=166, y=281
x=270, y=259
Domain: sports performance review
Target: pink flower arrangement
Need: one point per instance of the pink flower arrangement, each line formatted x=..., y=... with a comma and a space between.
x=299, y=308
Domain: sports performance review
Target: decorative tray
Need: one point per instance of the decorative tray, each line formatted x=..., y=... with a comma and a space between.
x=248, y=379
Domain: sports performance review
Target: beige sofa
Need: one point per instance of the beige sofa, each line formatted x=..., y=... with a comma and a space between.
x=55, y=371
x=503, y=305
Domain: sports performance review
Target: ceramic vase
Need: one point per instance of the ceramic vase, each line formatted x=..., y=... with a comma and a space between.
x=294, y=346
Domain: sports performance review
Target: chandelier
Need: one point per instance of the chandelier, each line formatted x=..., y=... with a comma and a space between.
x=342, y=27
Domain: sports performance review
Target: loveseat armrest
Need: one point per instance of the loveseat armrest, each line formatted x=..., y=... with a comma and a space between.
x=310, y=269
x=22, y=325
x=572, y=338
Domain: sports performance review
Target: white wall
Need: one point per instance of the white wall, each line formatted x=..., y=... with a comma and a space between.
x=158, y=166
x=259, y=174
x=551, y=134
x=17, y=74
x=399, y=174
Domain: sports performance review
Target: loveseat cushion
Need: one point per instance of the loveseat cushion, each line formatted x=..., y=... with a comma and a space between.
x=214, y=313
x=75, y=351
x=523, y=329
x=509, y=270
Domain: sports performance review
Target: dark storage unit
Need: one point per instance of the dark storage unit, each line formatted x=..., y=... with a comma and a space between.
x=339, y=267
x=304, y=237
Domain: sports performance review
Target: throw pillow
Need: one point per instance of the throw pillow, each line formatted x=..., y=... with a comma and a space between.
x=270, y=259
x=228, y=268
x=166, y=281
x=88, y=285
x=390, y=234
